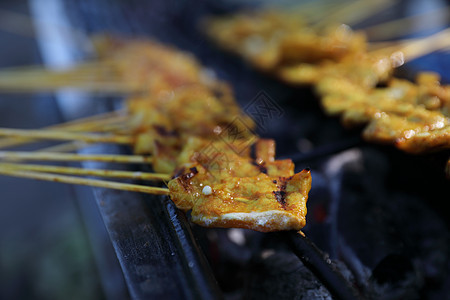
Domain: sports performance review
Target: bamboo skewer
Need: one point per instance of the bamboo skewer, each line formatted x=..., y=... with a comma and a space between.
x=416, y=48
x=353, y=12
x=313, y=11
x=83, y=181
x=92, y=86
x=376, y=46
x=97, y=77
x=63, y=135
x=403, y=26
x=50, y=156
x=88, y=172
x=98, y=123
x=64, y=147
x=435, y=42
x=108, y=117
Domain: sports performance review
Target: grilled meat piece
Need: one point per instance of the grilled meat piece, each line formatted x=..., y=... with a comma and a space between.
x=262, y=202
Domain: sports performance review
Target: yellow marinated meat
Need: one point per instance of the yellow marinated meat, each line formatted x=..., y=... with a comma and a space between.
x=193, y=128
x=412, y=116
x=425, y=141
x=145, y=63
x=270, y=40
x=220, y=159
x=263, y=203
x=181, y=101
x=298, y=53
x=362, y=69
x=255, y=36
x=345, y=75
x=227, y=189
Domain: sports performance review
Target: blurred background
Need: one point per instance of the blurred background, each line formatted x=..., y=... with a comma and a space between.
x=44, y=248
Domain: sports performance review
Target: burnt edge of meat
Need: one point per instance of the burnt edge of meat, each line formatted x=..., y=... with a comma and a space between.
x=178, y=172
x=262, y=168
x=161, y=130
x=280, y=195
x=253, y=151
x=218, y=93
x=185, y=178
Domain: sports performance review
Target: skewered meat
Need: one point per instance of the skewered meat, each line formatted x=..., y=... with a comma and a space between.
x=263, y=203
x=336, y=61
x=298, y=53
x=414, y=117
x=194, y=129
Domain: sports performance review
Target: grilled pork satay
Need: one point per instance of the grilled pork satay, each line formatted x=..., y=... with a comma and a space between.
x=297, y=53
x=181, y=99
x=179, y=115
x=192, y=111
x=181, y=118
x=258, y=193
x=336, y=61
x=263, y=203
x=414, y=117
x=273, y=40
x=365, y=70
x=283, y=44
x=189, y=119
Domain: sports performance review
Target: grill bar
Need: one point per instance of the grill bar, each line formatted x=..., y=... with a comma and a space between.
x=154, y=245
x=318, y=263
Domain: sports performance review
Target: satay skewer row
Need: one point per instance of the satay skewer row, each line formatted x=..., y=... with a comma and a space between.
x=274, y=59
x=377, y=65
x=283, y=205
x=394, y=55
x=97, y=76
x=88, y=172
x=14, y=172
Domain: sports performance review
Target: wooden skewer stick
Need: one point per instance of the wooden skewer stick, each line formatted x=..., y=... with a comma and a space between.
x=108, y=117
x=83, y=181
x=88, y=172
x=87, y=66
x=64, y=147
x=67, y=136
x=406, y=25
x=53, y=156
x=312, y=11
x=97, y=123
x=418, y=47
x=375, y=46
x=354, y=12
x=99, y=77
x=91, y=86
x=432, y=43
